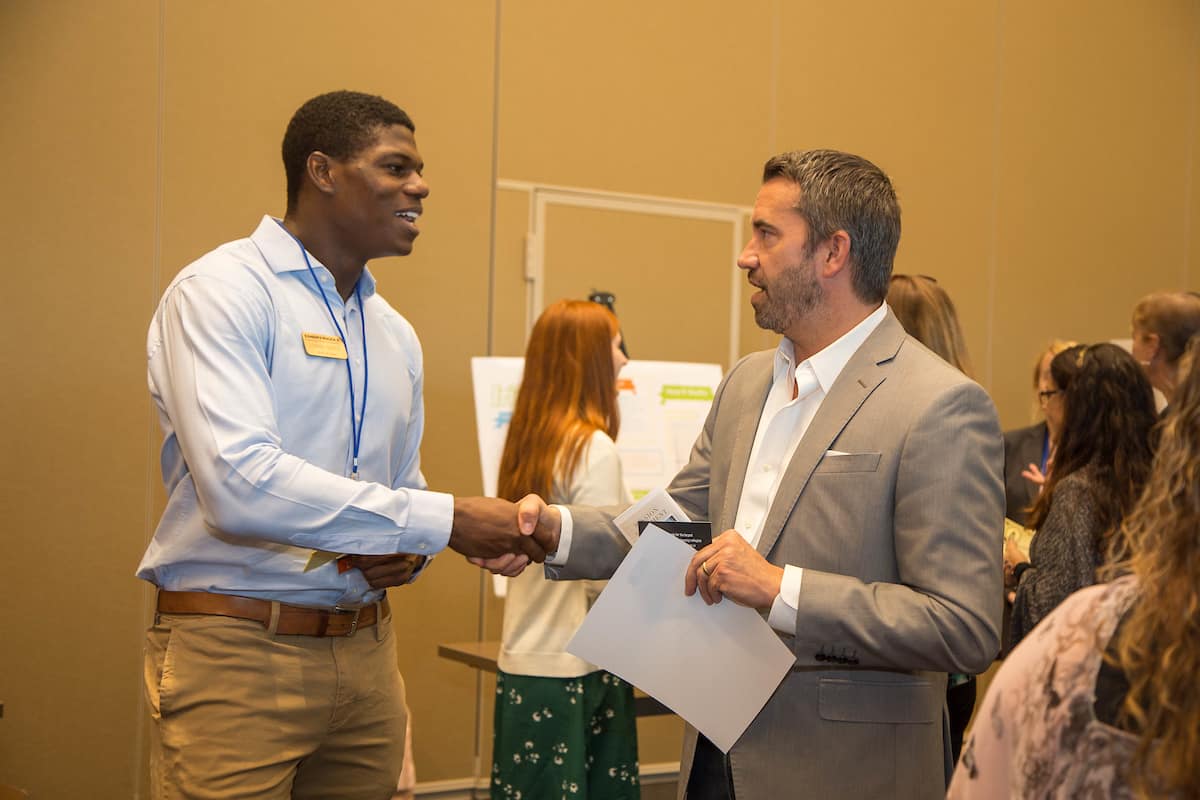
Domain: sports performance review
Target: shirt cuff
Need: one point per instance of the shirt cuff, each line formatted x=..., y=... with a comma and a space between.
x=430, y=517
x=559, y=557
x=784, y=610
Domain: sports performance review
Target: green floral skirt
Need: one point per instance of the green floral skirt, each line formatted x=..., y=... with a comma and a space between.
x=564, y=738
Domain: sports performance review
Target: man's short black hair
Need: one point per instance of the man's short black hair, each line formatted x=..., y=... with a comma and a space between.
x=339, y=124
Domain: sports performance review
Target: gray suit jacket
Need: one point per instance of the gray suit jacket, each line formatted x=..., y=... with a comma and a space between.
x=900, y=542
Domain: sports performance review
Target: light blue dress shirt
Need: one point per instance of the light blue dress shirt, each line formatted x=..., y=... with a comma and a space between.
x=257, y=439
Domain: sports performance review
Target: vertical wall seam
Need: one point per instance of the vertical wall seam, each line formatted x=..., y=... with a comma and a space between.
x=993, y=266
x=773, y=82
x=491, y=300
x=481, y=615
x=1189, y=158
x=156, y=272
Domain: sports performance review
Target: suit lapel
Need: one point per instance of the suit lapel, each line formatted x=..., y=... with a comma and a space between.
x=749, y=414
x=862, y=374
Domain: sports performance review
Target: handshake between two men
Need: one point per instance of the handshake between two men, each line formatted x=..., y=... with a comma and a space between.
x=503, y=536
x=492, y=533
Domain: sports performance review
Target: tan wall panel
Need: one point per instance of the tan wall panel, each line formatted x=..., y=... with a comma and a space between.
x=1189, y=271
x=907, y=86
x=509, y=285
x=1094, y=138
x=78, y=84
x=671, y=277
x=668, y=98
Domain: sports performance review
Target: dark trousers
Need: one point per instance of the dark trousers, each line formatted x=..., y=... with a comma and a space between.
x=711, y=778
x=960, y=703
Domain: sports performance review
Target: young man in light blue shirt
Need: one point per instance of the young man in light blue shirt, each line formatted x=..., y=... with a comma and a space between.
x=290, y=396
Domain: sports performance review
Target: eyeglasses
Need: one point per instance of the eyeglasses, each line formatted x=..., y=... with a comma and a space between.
x=1045, y=395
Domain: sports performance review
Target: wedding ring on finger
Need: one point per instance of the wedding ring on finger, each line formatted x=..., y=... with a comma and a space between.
x=705, y=568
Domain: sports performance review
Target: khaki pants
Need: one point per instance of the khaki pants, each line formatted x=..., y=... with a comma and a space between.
x=241, y=713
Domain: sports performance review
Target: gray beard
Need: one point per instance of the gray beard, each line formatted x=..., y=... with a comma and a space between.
x=794, y=295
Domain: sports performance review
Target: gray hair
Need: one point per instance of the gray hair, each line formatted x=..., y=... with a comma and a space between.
x=841, y=191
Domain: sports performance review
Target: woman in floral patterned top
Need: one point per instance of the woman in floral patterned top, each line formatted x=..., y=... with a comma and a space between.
x=1099, y=701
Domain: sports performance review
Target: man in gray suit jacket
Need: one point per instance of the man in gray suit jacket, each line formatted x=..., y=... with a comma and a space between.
x=857, y=479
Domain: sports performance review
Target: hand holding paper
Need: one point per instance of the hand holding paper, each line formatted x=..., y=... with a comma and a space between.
x=678, y=649
x=730, y=567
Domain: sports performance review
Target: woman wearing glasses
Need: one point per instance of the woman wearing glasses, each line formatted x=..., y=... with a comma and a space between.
x=1029, y=452
x=1100, y=464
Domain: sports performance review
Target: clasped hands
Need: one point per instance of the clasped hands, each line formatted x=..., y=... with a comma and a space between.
x=503, y=536
x=728, y=567
x=490, y=532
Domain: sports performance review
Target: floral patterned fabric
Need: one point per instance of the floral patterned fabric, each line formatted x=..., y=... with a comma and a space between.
x=1036, y=734
x=564, y=738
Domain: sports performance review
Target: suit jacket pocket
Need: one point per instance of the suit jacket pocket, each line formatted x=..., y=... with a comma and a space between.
x=850, y=462
x=843, y=700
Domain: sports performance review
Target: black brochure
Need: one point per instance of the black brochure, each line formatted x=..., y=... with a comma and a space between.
x=697, y=534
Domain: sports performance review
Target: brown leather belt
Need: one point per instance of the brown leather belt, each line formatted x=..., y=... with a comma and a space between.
x=293, y=620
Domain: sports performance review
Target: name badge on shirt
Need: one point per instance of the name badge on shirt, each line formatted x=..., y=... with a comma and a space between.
x=322, y=345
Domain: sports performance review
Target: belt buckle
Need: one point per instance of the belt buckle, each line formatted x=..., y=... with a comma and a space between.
x=354, y=621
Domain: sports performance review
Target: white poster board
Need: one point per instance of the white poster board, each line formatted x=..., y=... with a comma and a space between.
x=663, y=405
x=496, y=381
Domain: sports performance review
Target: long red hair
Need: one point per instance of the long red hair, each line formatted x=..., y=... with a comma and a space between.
x=569, y=391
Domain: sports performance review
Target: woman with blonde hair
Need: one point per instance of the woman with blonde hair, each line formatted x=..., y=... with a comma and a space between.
x=927, y=313
x=563, y=727
x=1163, y=322
x=1100, y=701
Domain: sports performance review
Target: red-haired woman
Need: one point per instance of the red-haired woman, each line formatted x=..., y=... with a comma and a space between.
x=563, y=727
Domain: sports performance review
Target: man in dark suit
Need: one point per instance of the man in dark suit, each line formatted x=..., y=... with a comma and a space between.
x=1024, y=448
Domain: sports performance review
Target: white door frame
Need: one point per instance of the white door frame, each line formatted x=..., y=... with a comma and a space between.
x=541, y=196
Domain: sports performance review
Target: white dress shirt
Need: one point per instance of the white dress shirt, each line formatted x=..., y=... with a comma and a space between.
x=781, y=426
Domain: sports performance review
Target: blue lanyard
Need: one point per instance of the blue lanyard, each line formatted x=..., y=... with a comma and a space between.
x=355, y=429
